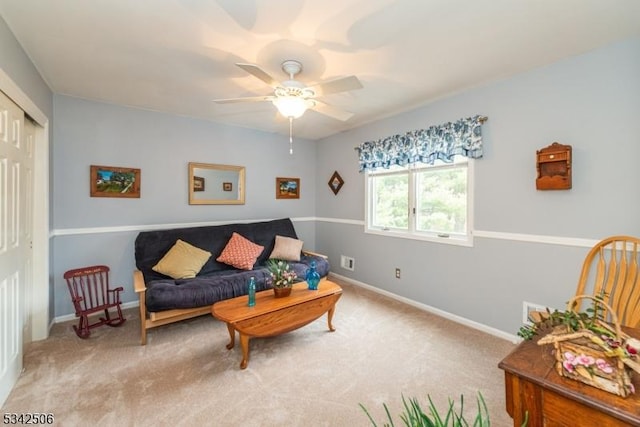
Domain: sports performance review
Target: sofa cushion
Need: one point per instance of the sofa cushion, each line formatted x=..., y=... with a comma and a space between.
x=203, y=290
x=286, y=248
x=240, y=253
x=182, y=261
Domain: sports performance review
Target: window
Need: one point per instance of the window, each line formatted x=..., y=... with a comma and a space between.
x=428, y=202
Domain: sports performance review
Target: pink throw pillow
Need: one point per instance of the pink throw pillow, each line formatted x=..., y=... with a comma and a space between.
x=240, y=252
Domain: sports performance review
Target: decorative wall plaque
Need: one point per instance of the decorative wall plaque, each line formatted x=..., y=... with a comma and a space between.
x=336, y=182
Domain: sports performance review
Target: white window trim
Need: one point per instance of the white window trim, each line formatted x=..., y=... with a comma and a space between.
x=466, y=240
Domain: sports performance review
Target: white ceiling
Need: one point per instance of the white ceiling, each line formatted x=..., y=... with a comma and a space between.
x=175, y=56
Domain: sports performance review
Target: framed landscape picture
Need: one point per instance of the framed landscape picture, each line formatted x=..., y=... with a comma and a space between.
x=109, y=181
x=287, y=188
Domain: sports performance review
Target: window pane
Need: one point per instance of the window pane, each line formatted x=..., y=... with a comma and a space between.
x=390, y=201
x=442, y=200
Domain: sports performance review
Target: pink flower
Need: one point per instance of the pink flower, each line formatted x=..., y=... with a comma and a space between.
x=584, y=360
x=604, y=366
x=569, y=361
x=632, y=346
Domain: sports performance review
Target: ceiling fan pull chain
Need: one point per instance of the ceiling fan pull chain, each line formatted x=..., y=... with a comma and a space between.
x=290, y=135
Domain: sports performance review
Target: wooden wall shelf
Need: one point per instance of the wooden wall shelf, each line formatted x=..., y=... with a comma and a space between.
x=553, y=164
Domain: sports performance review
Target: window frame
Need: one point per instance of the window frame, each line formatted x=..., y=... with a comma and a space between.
x=411, y=232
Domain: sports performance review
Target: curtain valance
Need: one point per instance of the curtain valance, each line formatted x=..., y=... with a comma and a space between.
x=443, y=142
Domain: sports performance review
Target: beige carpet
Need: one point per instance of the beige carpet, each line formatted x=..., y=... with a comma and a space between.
x=185, y=376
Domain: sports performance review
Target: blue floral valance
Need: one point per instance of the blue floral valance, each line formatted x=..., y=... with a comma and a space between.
x=463, y=137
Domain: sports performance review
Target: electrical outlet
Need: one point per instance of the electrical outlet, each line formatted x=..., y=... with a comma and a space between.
x=347, y=263
x=528, y=307
x=397, y=273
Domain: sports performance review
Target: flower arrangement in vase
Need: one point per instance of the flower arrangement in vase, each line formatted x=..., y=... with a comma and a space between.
x=282, y=276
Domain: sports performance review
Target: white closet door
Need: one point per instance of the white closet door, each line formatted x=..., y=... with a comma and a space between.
x=29, y=139
x=16, y=213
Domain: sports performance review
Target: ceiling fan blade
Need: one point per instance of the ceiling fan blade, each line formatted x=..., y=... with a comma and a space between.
x=245, y=99
x=332, y=112
x=259, y=73
x=341, y=84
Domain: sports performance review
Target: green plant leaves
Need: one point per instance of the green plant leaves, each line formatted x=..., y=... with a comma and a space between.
x=414, y=415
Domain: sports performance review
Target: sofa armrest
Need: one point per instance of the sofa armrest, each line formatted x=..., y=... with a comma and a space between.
x=138, y=282
x=315, y=254
x=141, y=289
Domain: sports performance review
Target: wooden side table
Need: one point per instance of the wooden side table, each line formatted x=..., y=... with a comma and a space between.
x=533, y=386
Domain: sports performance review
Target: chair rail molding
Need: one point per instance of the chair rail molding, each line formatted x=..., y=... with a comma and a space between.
x=517, y=237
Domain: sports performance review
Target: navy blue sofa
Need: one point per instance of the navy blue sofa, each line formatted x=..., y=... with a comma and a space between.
x=165, y=300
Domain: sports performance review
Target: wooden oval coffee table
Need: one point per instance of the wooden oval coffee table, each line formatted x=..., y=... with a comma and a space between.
x=274, y=316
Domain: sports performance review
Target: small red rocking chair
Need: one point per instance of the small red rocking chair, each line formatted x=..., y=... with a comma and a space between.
x=90, y=293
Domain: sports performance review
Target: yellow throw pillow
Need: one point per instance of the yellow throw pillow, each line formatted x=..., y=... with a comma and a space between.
x=286, y=248
x=240, y=252
x=182, y=261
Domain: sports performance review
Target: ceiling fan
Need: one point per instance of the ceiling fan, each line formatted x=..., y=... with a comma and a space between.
x=292, y=97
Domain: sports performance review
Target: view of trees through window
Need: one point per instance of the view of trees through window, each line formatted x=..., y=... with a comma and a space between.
x=391, y=201
x=430, y=200
x=442, y=200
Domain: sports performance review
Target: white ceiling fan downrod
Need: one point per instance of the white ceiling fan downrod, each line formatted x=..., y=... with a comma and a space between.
x=290, y=135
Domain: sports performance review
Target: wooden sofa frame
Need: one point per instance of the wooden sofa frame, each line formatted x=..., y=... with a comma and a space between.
x=161, y=317
x=151, y=319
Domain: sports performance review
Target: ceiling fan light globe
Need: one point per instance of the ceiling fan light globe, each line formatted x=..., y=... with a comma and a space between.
x=291, y=106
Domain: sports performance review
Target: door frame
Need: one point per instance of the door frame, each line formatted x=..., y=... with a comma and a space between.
x=41, y=290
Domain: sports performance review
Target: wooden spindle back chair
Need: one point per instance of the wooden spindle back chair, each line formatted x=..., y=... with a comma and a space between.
x=90, y=293
x=610, y=270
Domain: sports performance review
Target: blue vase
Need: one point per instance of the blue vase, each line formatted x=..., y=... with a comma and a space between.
x=252, y=292
x=312, y=277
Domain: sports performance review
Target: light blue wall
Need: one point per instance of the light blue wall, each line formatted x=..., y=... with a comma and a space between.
x=591, y=102
x=15, y=62
x=161, y=145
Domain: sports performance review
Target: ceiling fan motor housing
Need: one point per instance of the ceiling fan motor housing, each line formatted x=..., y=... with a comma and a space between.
x=291, y=67
x=296, y=90
x=293, y=87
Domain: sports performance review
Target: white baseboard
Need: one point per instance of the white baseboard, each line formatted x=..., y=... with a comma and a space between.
x=458, y=319
x=453, y=317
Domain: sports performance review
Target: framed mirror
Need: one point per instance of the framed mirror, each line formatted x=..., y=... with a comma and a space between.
x=211, y=184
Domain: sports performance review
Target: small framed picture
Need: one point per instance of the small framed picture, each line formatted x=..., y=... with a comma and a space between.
x=109, y=181
x=287, y=188
x=227, y=186
x=198, y=183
